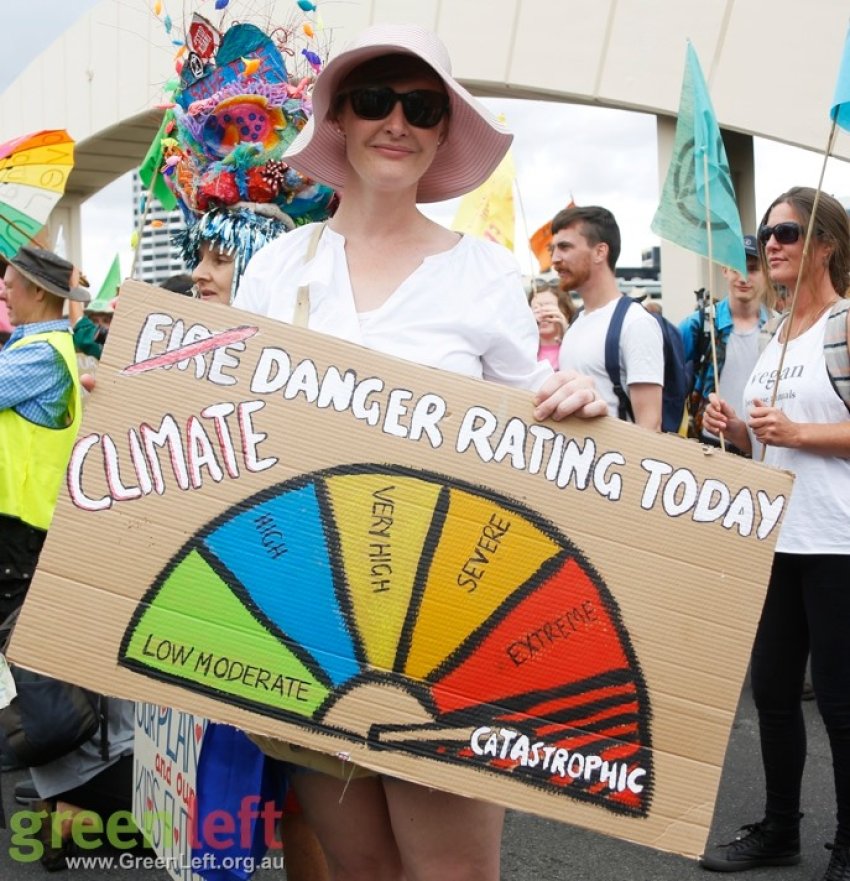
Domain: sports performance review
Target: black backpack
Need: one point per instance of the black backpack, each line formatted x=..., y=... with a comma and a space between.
x=698, y=368
x=675, y=387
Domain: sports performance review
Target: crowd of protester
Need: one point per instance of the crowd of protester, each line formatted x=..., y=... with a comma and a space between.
x=390, y=129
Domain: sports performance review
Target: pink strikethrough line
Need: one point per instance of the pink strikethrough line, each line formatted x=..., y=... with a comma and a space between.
x=216, y=341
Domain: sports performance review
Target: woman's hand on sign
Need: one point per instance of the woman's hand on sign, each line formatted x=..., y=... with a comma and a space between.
x=87, y=381
x=567, y=393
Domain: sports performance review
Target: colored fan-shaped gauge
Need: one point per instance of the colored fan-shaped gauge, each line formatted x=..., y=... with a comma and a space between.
x=470, y=628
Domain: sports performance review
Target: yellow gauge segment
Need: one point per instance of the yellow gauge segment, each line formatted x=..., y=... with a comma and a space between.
x=382, y=521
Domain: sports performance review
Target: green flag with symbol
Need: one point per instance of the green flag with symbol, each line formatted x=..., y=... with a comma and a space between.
x=698, y=198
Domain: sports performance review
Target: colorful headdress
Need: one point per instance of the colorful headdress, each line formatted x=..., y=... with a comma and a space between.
x=235, y=113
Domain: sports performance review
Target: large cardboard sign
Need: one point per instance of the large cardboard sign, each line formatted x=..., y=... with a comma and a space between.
x=398, y=566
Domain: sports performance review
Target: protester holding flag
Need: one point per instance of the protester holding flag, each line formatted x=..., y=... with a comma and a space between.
x=737, y=320
x=391, y=127
x=796, y=405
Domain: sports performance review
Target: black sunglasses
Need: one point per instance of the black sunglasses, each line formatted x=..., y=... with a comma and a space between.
x=785, y=233
x=423, y=108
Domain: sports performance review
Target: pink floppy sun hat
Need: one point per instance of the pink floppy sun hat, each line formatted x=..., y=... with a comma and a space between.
x=475, y=144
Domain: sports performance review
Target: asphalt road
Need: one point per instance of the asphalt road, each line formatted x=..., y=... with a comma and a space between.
x=543, y=850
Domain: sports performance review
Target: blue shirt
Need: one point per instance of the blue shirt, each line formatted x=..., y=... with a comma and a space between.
x=34, y=379
x=723, y=326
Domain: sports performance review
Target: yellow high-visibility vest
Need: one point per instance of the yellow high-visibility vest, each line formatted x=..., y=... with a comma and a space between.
x=33, y=458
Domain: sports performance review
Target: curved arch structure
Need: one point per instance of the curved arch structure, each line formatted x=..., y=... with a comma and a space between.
x=770, y=73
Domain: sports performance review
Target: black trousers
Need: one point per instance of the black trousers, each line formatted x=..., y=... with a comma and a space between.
x=20, y=547
x=807, y=609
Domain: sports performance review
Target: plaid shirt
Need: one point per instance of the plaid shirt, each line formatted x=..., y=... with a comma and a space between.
x=34, y=380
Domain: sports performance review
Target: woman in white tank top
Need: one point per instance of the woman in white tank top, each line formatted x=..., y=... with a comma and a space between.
x=796, y=413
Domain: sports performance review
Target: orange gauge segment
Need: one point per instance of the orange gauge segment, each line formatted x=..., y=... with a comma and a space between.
x=485, y=553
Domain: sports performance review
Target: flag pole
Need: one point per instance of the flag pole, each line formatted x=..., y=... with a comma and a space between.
x=35, y=238
x=698, y=152
x=803, y=258
x=143, y=219
x=524, y=222
x=711, y=333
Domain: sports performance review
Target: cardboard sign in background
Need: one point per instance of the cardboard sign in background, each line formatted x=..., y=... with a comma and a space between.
x=166, y=747
x=298, y=536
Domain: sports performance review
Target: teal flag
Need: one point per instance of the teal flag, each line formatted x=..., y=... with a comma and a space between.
x=840, y=110
x=698, y=199
x=149, y=170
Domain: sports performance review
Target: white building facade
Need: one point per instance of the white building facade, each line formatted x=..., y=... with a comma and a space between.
x=103, y=79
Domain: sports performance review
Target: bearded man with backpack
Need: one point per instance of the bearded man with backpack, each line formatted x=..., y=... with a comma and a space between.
x=585, y=248
x=738, y=318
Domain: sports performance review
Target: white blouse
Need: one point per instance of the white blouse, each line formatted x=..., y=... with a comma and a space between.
x=461, y=310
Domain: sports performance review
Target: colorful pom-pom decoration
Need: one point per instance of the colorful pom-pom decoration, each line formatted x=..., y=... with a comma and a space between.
x=306, y=6
x=313, y=60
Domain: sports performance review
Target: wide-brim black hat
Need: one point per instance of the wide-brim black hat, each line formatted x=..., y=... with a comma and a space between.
x=50, y=272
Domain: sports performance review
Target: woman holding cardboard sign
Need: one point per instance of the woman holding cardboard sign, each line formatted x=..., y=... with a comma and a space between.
x=807, y=607
x=391, y=127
